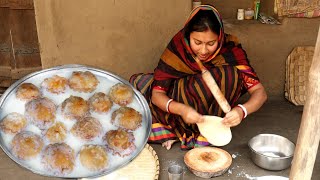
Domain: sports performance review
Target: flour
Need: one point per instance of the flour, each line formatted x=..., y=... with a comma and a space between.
x=244, y=174
x=234, y=172
x=238, y=172
x=236, y=154
x=270, y=178
x=231, y=169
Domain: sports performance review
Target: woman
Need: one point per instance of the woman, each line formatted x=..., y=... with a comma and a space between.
x=176, y=92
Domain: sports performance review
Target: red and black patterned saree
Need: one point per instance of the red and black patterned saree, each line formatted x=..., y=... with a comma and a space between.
x=179, y=75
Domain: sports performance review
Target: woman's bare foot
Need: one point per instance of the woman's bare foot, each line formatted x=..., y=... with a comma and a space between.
x=168, y=144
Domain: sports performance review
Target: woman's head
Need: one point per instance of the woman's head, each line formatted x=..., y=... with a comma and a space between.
x=203, y=20
x=203, y=44
x=203, y=34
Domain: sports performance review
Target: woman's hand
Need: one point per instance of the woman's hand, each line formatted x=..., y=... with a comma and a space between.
x=191, y=116
x=257, y=97
x=188, y=114
x=234, y=117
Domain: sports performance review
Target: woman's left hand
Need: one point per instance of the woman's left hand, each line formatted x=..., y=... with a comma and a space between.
x=233, y=118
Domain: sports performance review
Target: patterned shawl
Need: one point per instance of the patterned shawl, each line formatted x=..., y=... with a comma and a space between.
x=177, y=60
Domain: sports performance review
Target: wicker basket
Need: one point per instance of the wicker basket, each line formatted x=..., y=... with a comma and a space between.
x=144, y=167
x=297, y=72
x=292, y=7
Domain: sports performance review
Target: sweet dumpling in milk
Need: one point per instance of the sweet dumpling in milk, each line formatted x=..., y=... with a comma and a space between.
x=100, y=103
x=27, y=91
x=94, y=157
x=75, y=107
x=120, y=142
x=127, y=118
x=26, y=145
x=87, y=128
x=83, y=81
x=56, y=133
x=55, y=84
x=41, y=112
x=58, y=158
x=121, y=94
x=13, y=123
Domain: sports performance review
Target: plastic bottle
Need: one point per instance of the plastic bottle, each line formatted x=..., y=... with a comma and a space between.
x=256, y=8
x=196, y=3
x=240, y=14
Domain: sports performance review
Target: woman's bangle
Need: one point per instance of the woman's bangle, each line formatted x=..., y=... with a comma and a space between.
x=244, y=110
x=167, y=106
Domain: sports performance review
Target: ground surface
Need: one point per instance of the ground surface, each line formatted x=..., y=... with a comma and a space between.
x=276, y=116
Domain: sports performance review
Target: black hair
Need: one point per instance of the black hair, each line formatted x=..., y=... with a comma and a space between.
x=204, y=20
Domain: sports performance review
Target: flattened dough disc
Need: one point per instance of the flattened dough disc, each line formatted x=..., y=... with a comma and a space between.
x=214, y=131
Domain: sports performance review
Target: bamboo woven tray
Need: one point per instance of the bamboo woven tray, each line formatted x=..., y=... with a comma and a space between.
x=144, y=167
x=297, y=72
x=292, y=7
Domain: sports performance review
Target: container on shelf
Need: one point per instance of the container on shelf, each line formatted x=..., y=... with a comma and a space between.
x=240, y=14
x=248, y=14
x=196, y=3
x=256, y=8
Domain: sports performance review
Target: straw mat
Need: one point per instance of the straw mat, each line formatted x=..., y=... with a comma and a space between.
x=144, y=167
x=297, y=72
x=306, y=8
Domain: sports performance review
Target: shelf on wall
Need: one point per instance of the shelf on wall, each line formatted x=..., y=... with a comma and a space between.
x=245, y=22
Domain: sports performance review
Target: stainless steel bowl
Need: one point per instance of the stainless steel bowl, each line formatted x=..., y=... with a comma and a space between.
x=271, y=151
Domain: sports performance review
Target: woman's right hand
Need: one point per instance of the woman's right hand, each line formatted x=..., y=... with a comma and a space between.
x=188, y=114
x=191, y=116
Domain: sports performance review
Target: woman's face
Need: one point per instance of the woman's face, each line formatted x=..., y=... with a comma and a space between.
x=203, y=44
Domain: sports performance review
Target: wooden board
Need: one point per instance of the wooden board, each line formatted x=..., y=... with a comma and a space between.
x=5, y=44
x=21, y=4
x=207, y=162
x=25, y=43
x=19, y=47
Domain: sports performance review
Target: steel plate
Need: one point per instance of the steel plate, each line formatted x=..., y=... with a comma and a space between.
x=8, y=103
